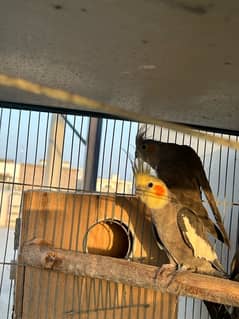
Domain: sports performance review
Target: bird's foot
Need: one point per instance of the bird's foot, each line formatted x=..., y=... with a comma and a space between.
x=166, y=269
x=182, y=267
x=166, y=274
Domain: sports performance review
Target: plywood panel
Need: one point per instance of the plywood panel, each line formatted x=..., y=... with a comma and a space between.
x=64, y=219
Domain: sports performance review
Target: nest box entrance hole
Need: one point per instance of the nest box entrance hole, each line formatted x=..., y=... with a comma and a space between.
x=108, y=237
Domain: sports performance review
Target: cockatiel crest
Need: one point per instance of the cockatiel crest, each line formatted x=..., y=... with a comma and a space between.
x=146, y=149
x=152, y=191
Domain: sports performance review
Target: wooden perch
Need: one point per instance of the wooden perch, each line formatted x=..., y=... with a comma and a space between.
x=40, y=254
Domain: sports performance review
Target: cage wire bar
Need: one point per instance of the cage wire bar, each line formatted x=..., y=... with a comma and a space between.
x=44, y=150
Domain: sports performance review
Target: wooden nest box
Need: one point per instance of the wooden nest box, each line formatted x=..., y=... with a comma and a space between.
x=116, y=226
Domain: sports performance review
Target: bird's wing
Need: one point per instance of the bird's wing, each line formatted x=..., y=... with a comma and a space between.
x=204, y=183
x=157, y=238
x=194, y=235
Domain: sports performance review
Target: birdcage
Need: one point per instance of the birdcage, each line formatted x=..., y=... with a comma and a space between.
x=66, y=180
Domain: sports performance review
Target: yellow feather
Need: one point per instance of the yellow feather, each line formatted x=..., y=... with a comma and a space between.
x=152, y=191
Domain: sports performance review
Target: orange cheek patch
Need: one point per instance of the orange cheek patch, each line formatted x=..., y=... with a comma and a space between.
x=159, y=190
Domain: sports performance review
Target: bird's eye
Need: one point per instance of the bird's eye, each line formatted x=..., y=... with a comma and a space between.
x=144, y=147
x=150, y=185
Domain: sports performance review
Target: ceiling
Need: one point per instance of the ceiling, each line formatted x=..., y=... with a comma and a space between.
x=173, y=60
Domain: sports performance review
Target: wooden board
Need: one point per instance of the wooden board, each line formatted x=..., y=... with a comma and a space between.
x=64, y=219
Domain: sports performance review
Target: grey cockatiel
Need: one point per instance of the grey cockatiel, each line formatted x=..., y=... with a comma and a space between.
x=181, y=169
x=181, y=231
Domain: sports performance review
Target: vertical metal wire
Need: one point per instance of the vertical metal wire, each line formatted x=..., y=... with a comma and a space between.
x=71, y=154
x=119, y=156
x=127, y=151
x=78, y=157
x=111, y=155
x=232, y=197
x=105, y=129
x=4, y=174
x=93, y=149
x=11, y=201
x=37, y=147
x=8, y=233
x=45, y=150
x=28, y=307
x=54, y=149
x=61, y=161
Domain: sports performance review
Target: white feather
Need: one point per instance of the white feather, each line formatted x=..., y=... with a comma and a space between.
x=201, y=247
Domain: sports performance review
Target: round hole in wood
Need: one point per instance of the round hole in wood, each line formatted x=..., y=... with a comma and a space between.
x=109, y=238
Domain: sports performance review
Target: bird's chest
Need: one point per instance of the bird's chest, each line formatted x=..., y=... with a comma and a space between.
x=166, y=224
x=168, y=230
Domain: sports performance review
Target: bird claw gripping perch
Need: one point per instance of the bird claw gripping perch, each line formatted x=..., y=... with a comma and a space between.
x=166, y=274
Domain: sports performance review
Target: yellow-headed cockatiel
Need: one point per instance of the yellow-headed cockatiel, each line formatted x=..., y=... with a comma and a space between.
x=181, y=169
x=181, y=231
